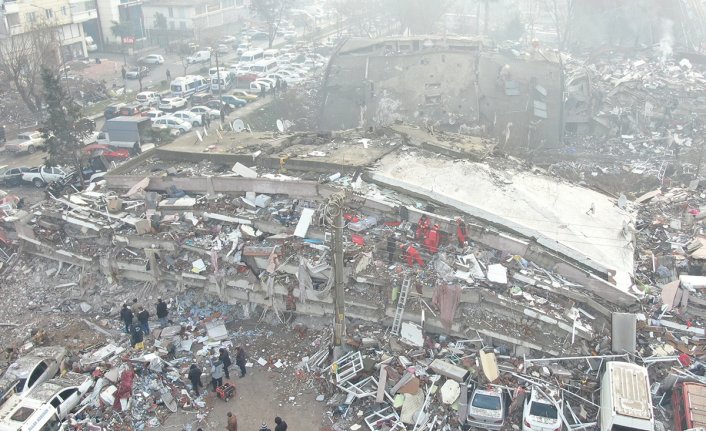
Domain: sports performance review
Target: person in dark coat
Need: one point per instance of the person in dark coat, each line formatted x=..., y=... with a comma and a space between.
x=203, y=120
x=280, y=425
x=223, y=114
x=162, y=312
x=225, y=358
x=240, y=360
x=143, y=316
x=391, y=242
x=126, y=316
x=136, y=335
x=195, y=378
x=124, y=73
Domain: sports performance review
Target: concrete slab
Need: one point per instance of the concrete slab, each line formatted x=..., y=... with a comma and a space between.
x=556, y=214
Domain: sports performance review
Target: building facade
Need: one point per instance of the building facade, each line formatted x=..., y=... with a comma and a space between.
x=199, y=19
x=73, y=19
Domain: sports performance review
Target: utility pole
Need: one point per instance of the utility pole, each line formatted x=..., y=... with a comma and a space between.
x=333, y=217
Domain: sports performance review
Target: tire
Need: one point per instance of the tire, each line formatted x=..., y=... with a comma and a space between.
x=38, y=183
x=179, y=132
x=196, y=124
x=182, y=131
x=31, y=149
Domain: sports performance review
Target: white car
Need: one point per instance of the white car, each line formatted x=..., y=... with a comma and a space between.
x=229, y=39
x=151, y=59
x=540, y=414
x=172, y=103
x=148, y=98
x=190, y=117
x=486, y=409
x=178, y=125
x=284, y=75
x=222, y=49
x=200, y=110
x=242, y=48
x=26, y=142
x=38, y=366
x=153, y=114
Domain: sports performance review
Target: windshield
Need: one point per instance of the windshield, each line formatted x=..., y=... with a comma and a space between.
x=176, y=88
x=487, y=402
x=543, y=410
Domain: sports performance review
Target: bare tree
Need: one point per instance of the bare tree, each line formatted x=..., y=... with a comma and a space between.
x=22, y=57
x=561, y=12
x=271, y=11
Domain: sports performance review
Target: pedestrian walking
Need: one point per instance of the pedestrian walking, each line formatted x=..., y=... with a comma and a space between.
x=143, y=316
x=216, y=372
x=126, y=316
x=203, y=120
x=123, y=72
x=280, y=425
x=208, y=121
x=3, y=136
x=262, y=91
x=223, y=113
x=232, y=424
x=162, y=313
x=240, y=360
x=284, y=86
x=195, y=378
x=224, y=356
x=169, y=75
x=137, y=338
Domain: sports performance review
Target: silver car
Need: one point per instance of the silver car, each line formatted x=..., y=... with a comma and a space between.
x=486, y=409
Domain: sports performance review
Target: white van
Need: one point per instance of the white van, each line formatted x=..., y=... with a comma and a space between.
x=269, y=54
x=263, y=68
x=185, y=86
x=251, y=56
x=223, y=82
x=199, y=57
x=45, y=406
x=626, y=400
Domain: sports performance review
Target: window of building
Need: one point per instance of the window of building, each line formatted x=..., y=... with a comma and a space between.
x=171, y=12
x=64, y=10
x=50, y=13
x=31, y=17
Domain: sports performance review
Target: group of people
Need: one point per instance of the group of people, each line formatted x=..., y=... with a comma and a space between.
x=139, y=329
x=232, y=424
x=427, y=234
x=219, y=368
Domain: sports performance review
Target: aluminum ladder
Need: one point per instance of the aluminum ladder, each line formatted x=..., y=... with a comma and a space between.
x=401, y=302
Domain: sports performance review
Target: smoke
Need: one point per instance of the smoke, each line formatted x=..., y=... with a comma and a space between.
x=666, y=41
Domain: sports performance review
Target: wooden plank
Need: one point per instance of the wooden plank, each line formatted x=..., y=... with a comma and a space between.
x=382, y=381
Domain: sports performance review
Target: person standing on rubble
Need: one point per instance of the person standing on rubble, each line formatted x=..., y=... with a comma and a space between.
x=412, y=255
x=225, y=358
x=162, y=313
x=232, y=424
x=432, y=239
x=391, y=241
x=240, y=360
x=137, y=338
x=195, y=378
x=280, y=425
x=216, y=372
x=143, y=317
x=126, y=316
x=461, y=232
x=422, y=228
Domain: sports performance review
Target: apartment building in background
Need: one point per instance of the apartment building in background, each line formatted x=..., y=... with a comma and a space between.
x=199, y=19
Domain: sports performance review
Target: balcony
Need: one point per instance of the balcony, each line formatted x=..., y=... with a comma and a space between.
x=82, y=11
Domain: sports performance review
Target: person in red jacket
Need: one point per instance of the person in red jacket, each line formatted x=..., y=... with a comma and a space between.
x=461, y=232
x=432, y=240
x=422, y=228
x=412, y=255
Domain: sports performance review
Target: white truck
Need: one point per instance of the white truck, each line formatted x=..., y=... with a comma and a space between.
x=26, y=142
x=44, y=175
x=199, y=57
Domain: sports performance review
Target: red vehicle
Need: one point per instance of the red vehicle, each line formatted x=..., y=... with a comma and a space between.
x=107, y=151
x=689, y=403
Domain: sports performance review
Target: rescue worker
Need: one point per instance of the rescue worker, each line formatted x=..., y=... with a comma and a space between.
x=461, y=232
x=162, y=313
x=412, y=255
x=195, y=378
x=432, y=239
x=126, y=316
x=422, y=228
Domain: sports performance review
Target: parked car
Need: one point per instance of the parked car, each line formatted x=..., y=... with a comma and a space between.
x=172, y=103
x=134, y=108
x=222, y=49
x=540, y=414
x=242, y=94
x=45, y=175
x=243, y=47
x=259, y=35
x=151, y=59
x=486, y=409
x=36, y=367
x=148, y=98
x=229, y=39
x=216, y=105
x=233, y=101
x=26, y=142
x=137, y=72
x=199, y=57
x=168, y=122
x=11, y=176
x=108, y=151
x=200, y=98
x=201, y=110
x=188, y=116
x=153, y=114
x=112, y=111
